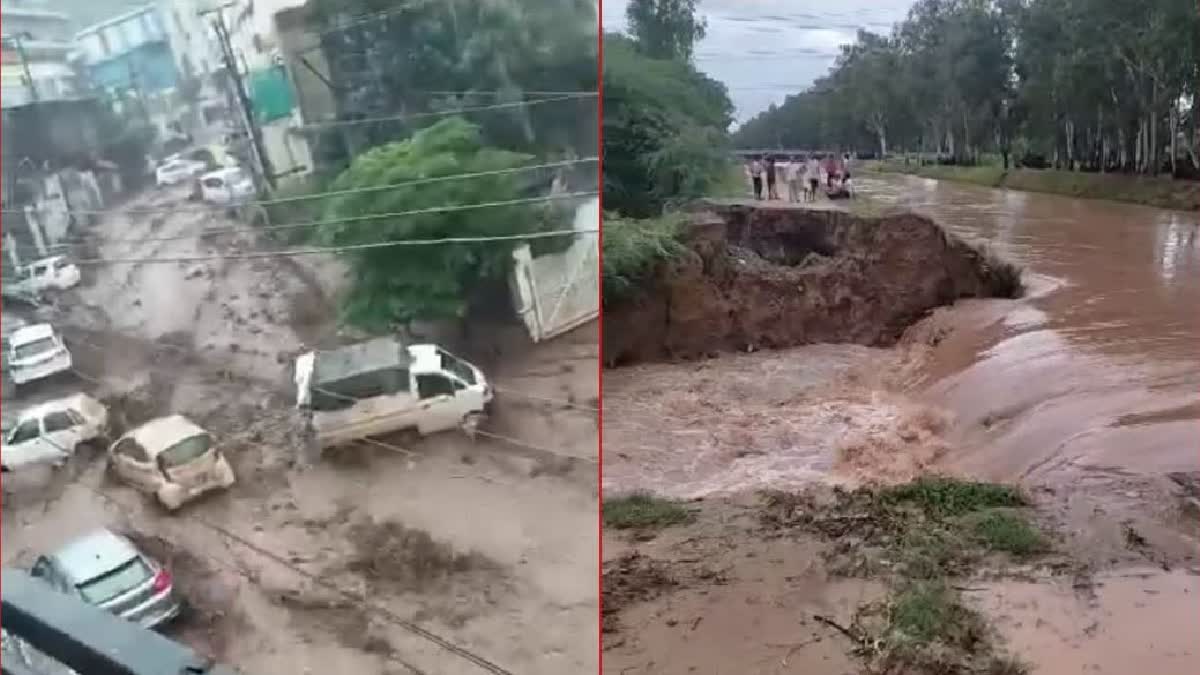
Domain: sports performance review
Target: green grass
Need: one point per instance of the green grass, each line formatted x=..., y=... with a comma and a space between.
x=640, y=511
x=1162, y=192
x=943, y=497
x=632, y=249
x=1006, y=532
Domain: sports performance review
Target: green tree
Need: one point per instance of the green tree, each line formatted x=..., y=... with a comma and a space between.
x=1079, y=84
x=665, y=137
x=402, y=283
x=435, y=56
x=666, y=29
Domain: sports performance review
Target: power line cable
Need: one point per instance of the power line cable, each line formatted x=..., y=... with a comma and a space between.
x=333, y=193
x=290, y=253
x=441, y=113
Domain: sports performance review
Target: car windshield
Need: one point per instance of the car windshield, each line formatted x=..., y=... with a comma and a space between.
x=131, y=574
x=457, y=366
x=34, y=348
x=187, y=450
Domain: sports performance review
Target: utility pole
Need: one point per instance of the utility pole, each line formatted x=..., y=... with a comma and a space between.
x=20, y=45
x=264, y=168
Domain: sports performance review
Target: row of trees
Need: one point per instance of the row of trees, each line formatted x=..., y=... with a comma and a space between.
x=405, y=60
x=665, y=123
x=1090, y=84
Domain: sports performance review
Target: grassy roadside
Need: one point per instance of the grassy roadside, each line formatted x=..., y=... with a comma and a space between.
x=1160, y=192
x=920, y=540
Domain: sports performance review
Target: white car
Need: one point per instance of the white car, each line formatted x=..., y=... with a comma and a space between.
x=50, y=432
x=171, y=458
x=36, y=352
x=49, y=274
x=227, y=187
x=174, y=171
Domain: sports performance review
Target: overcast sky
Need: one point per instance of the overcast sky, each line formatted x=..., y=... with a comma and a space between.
x=764, y=50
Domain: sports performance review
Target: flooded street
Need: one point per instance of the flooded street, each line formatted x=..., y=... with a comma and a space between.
x=1094, y=373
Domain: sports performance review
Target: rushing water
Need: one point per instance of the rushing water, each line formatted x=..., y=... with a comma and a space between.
x=1097, y=371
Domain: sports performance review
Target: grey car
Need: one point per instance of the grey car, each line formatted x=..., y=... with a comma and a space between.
x=105, y=569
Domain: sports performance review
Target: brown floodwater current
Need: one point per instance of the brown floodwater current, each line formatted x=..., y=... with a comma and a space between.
x=1096, y=372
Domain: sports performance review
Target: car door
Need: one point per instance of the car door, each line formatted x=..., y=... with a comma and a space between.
x=438, y=409
x=26, y=446
x=39, y=277
x=132, y=464
x=61, y=431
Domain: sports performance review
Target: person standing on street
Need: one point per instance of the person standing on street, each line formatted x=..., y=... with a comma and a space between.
x=756, y=171
x=794, y=169
x=812, y=178
x=772, y=193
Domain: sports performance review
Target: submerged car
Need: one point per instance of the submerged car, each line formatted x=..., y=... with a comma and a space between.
x=50, y=432
x=230, y=186
x=107, y=570
x=171, y=458
x=49, y=274
x=176, y=170
x=36, y=352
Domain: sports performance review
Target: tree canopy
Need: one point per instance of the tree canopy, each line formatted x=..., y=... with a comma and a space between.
x=1097, y=84
x=665, y=129
x=399, y=284
x=453, y=54
x=665, y=29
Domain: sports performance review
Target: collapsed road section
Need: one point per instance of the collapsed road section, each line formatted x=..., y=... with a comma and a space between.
x=750, y=278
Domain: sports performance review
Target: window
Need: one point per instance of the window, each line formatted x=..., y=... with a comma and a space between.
x=58, y=420
x=187, y=450
x=131, y=449
x=26, y=431
x=34, y=348
x=430, y=386
x=39, y=270
x=76, y=418
x=457, y=366
x=60, y=265
x=213, y=183
x=126, y=577
x=41, y=569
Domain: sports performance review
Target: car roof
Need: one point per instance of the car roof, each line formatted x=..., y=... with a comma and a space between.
x=159, y=434
x=44, y=407
x=223, y=172
x=93, y=554
x=26, y=334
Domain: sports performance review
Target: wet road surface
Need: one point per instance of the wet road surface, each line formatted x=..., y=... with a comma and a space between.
x=1096, y=373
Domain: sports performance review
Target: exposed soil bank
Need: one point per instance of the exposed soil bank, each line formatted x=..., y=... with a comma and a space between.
x=1165, y=193
x=752, y=278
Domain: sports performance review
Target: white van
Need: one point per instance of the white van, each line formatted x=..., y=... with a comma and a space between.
x=36, y=352
x=383, y=386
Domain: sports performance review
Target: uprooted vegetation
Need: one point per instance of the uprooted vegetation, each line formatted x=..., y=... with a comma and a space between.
x=740, y=277
x=643, y=511
x=908, y=547
x=918, y=536
x=410, y=559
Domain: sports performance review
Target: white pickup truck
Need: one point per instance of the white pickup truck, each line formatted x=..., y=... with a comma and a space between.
x=383, y=385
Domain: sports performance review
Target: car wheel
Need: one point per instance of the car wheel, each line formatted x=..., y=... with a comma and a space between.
x=471, y=422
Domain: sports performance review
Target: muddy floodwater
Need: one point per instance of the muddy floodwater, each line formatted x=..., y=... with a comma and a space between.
x=1094, y=374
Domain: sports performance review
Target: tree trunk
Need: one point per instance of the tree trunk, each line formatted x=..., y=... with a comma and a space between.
x=1152, y=138
x=1173, y=125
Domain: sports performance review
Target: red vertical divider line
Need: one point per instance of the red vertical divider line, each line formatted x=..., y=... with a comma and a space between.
x=600, y=347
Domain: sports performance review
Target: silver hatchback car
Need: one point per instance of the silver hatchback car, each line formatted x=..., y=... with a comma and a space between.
x=105, y=569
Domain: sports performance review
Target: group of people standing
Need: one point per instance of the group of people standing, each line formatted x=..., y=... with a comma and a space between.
x=803, y=175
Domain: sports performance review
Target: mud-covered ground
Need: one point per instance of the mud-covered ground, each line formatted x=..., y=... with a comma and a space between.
x=956, y=393
x=445, y=556
x=737, y=588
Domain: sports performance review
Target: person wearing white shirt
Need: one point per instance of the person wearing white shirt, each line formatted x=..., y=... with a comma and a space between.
x=793, y=172
x=812, y=178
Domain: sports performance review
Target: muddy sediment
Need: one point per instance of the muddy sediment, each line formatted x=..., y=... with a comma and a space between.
x=768, y=278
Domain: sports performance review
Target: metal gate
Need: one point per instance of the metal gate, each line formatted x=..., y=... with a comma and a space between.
x=558, y=292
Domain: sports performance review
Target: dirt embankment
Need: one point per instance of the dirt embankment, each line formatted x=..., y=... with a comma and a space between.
x=753, y=278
